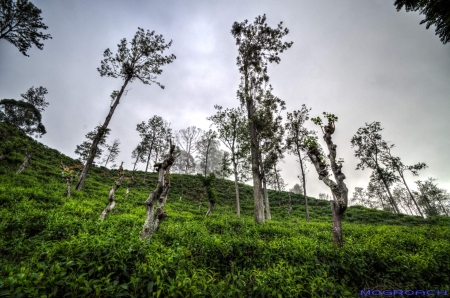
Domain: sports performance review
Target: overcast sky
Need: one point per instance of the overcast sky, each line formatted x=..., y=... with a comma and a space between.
x=361, y=60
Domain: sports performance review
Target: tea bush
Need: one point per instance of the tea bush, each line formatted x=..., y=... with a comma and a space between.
x=53, y=246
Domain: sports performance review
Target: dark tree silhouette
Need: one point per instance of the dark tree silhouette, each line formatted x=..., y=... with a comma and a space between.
x=20, y=22
x=437, y=12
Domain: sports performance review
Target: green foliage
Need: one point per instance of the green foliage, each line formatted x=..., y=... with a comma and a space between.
x=436, y=13
x=27, y=21
x=52, y=246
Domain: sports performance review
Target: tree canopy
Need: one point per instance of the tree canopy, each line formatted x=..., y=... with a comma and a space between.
x=20, y=22
x=437, y=12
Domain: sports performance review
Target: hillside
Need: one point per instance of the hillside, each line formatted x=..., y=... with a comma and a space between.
x=53, y=246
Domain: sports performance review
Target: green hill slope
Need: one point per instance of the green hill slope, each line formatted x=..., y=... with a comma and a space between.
x=53, y=246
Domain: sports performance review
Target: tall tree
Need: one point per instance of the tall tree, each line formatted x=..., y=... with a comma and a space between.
x=25, y=114
x=377, y=190
x=432, y=198
x=258, y=45
x=204, y=146
x=138, y=154
x=143, y=62
x=338, y=187
x=296, y=134
x=371, y=150
x=395, y=164
x=233, y=132
x=154, y=132
x=20, y=22
x=437, y=12
x=83, y=149
x=270, y=136
x=224, y=167
x=186, y=139
x=112, y=151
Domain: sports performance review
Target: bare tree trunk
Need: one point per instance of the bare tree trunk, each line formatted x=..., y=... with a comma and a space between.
x=337, y=224
x=382, y=201
x=159, y=195
x=68, y=179
x=27, y=159
x=391, y=198
x=112, y=199
x=410, y=194
x=268, y=215
x=442, y=206
x=98, y=137
x=289, y=207
x=304, y=184
x=338, y=188
x=211, y=207
x=148, y=160
x=107, y=160
x=236, y=185
x=254, y=148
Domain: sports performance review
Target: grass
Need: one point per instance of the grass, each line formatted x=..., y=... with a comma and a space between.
x=53, y=246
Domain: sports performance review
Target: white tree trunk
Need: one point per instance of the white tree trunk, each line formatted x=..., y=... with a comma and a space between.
x=236, y=185
x=26, y=161
x=111, y=197
x=159, y=196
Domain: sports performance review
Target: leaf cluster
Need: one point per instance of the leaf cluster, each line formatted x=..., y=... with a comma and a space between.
x=20, y=22
x=142, y=61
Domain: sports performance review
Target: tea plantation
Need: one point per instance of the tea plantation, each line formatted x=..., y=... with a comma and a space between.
x=54, y=246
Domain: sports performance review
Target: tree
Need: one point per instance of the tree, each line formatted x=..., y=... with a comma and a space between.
x=84, y=148
x=143, y=62
x=67, y=176
x=19, y=24
x=338, y=187
x=233, y=132
x=270, y=136
x=154, y=132
x=112, y=151
x=371, y=150
x=138, y=154
x=296, y=134
x=395, y=164
x=208, y=182
x=377, y=190
x=225, y=163
x=159, y=196
x=297, y=189
x=258, y=45
x=22, y=115
x=204, y=146
x=36, y=97
x=25, y=114
x=186, y=139
x=432, y=198
x=436, y=13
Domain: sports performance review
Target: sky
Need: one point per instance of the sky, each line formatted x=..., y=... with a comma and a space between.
x=361, y=60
